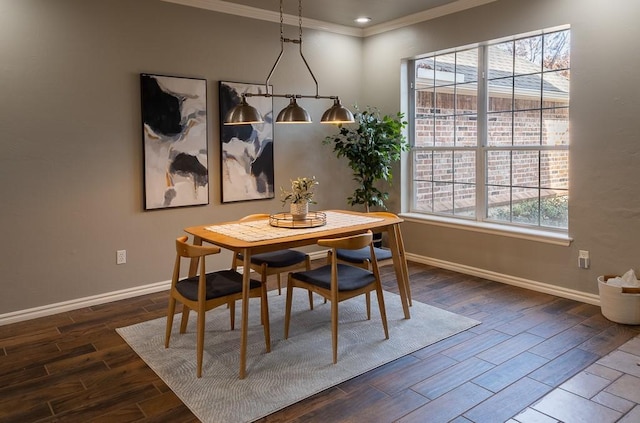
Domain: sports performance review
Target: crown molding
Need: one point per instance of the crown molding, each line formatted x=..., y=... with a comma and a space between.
x=271, y=16
x=267, y=15
x=423, y=16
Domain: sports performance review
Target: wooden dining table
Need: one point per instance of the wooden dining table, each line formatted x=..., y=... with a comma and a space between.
x=256, y=237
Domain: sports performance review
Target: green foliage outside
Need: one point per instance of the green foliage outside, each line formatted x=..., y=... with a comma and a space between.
x=551, y=211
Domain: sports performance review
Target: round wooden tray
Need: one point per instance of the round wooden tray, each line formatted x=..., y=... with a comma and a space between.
x=285, y=220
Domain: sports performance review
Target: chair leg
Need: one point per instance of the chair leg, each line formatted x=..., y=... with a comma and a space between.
x=287, y=312
x=368, y=298
x=170, y=313
x=310, y=300
x=200, y=341
x=334, y=330
x=185, y=318
x=232, y=314
x=263, y=281
x=279, y=284
x=307, y=266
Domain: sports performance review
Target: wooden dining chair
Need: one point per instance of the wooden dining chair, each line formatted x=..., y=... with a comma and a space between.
x=206, y=291
x=274, y=262
x=362, y=256
x=337, y=282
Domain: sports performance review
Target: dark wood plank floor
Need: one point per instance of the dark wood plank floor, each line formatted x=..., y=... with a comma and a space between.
x=73, y=367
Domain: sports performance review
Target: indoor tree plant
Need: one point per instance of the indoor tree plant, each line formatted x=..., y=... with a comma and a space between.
x=371, y=148
x=300, y=196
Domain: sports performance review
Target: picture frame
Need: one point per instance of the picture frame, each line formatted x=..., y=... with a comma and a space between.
x=246, y=151
x=174, y=133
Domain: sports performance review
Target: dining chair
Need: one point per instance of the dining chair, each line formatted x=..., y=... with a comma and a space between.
x=337, y=282
x=362, y=256
x=274, y=262
x=206, y=291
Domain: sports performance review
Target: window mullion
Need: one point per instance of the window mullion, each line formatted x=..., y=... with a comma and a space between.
x=410, y=204
x=481, y=174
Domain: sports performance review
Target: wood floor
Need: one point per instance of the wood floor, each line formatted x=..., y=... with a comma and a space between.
x=73, y=367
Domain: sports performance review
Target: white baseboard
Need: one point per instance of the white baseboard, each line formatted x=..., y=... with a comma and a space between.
x=51, y=309
x=558, y=291
x=315, y=255
x=48, y=310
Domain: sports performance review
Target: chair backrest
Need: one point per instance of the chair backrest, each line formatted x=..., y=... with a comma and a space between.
x=192, y=251
x=237, y=260
x=383, y=214
x=353, y=242
x=184, y=250
x=257, y=216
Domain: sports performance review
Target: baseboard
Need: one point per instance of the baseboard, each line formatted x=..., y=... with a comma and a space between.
x=48, y=310
x=315, y=255
x=558, y=291
x=51, y=309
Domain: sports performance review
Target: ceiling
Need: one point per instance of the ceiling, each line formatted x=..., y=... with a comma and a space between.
x=343, y=12
x=339, y=15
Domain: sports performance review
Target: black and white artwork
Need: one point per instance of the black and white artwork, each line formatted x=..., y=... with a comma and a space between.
x=174, y=120
x=246, y=150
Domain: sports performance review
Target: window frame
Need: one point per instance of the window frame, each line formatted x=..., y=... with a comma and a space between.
x=481, y=219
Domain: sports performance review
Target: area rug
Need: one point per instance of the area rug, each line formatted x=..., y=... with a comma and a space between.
x=296, y=368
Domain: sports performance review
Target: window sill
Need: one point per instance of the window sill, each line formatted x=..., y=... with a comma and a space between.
x=491, y=228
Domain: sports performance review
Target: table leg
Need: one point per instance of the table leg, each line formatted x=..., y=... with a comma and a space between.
x=246, y=277
x=403, y=262
x=401, y=276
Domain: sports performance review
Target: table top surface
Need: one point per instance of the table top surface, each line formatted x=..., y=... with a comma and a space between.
x=259, y=236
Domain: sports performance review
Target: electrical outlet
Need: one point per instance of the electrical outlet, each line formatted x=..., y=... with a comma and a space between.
x=583, y=259
x=121, y=256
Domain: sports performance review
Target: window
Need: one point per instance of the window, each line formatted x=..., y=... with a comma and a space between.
x=490, y=132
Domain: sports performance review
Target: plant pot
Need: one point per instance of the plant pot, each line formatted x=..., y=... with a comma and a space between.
x=299, y=211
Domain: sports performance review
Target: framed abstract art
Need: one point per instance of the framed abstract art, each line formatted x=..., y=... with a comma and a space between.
x=246, y=151
x=174, y=132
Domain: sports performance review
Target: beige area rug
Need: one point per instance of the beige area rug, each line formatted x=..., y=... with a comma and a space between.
x=295, y=368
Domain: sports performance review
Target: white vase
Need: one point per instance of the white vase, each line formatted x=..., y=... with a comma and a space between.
x=299, y=210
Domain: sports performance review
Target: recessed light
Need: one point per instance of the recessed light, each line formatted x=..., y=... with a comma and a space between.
x=363, y=20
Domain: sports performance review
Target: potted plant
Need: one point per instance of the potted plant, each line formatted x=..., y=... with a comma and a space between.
x=371, y=148
x=299, y=197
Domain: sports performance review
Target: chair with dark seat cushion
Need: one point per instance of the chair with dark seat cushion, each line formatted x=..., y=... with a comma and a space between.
x=337, y=282
x=384, y=256
x=362, y=256
x=206, y=291
x=275, y=262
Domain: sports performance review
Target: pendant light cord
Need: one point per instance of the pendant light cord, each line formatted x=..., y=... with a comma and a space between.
x=244, y=113
x=294, y=41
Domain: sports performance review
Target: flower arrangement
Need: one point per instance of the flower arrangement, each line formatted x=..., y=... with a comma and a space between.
x=302, y=191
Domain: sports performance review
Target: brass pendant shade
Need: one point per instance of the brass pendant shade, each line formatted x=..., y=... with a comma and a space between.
x=244, y=113
x=293, y=113
x=337, y=114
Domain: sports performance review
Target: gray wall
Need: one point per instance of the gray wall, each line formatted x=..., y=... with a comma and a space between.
x=71, y=160
x=604, y=203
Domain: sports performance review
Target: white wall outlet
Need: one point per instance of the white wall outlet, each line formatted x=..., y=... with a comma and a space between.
x=121, y=256
x=583, y=259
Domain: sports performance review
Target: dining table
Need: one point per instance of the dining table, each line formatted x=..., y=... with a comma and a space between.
x=280, y=232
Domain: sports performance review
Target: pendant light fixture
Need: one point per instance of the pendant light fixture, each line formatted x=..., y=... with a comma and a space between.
x=244, y=113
